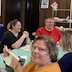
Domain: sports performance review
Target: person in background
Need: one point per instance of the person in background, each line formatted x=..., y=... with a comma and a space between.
x=43, y=57
x=49, y=30
x=65, y=62
x=13, y=37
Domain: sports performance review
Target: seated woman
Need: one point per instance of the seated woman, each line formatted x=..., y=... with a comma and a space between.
x=43, y=57
x=65, y=62
x=13, y=37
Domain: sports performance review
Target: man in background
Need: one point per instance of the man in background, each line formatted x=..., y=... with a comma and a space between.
x=49, y=30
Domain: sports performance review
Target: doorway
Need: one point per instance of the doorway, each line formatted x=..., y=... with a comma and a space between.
x=31, y=16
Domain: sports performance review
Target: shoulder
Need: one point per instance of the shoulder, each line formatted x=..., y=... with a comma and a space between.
x=5, y=37
x=65, y=62
x=68, y=55
x=41, y=28
x=67, y=58
x=7, y=33
x=56, y=29
x=53, y=67
x=29, y=66
x=54, y=64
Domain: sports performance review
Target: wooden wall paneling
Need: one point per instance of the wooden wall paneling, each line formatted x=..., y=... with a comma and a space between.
x=22, y=13
x=45, y=13
x=3, y=10
x=63, y=4
x=12, y=10
x=3, y=6
x=31, y=16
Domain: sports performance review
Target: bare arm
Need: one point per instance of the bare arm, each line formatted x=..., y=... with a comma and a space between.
x=20, y=41
x=28, y=40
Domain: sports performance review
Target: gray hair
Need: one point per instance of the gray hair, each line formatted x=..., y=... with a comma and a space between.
x=50, y=44
x=48, y=19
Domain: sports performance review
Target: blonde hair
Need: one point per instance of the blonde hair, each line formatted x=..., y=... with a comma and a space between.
x=66, y=41
x=48, y=19
x=12, y=23
x=8, y=25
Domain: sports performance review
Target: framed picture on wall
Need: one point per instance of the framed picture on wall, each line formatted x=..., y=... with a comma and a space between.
x=44, y=4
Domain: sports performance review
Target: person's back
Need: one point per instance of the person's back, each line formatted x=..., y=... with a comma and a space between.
x=65, y=62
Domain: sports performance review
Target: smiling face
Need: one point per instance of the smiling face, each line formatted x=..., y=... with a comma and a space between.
x=49, y=24
x=17, y=27
x=40, y=53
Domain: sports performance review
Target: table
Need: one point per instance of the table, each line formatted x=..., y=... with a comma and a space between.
x=60, y=53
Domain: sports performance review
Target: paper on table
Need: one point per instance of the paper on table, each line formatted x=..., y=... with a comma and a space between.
x=24, y=57
x=26, y=47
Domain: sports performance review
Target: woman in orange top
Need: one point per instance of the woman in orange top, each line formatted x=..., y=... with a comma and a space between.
x=44, y=57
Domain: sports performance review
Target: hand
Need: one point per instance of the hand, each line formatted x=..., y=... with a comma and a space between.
x=5, y=54
x=58, y=45
x=26, y=34
x=34, y=33
x=9, y=59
